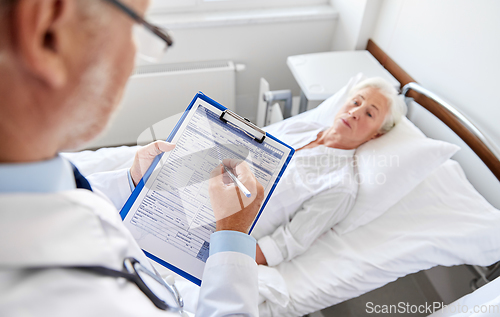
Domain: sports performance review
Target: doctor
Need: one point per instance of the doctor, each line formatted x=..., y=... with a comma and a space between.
x=63, y=66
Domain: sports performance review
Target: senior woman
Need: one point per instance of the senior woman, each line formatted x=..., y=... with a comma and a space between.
x=319, y=187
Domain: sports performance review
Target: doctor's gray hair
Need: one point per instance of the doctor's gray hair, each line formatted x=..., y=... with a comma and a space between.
x=397, y=106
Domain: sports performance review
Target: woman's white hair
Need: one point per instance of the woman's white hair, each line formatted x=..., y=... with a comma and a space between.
x=397, y=106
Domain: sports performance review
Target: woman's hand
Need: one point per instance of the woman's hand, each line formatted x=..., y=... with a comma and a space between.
x=145, y=156
x=232, y=209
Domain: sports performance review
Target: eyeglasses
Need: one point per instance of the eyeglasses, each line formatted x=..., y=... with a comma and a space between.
x=152, y=41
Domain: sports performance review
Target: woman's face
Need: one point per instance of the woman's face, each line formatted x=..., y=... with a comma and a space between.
x=361, y=117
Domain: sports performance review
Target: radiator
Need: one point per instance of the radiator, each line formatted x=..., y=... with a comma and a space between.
x=157, y=93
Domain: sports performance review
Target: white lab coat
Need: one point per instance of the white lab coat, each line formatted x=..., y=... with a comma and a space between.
x=79, y=227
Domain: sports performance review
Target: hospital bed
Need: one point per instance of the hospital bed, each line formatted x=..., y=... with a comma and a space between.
x=449, y=218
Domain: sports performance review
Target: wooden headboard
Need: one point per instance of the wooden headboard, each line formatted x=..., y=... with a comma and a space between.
x=476, y=144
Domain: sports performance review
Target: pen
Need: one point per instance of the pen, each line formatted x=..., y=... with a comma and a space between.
x=237, y=182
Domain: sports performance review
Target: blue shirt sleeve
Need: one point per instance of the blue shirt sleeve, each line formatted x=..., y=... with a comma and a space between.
x=235, y=241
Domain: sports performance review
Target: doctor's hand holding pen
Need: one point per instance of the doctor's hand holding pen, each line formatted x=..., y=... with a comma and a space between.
x=235, y=193
x=233, y=209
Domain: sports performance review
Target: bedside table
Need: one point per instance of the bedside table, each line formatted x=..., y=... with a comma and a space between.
x=321, y=75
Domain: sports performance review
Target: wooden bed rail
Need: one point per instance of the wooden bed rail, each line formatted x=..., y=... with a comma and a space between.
x=477, y=145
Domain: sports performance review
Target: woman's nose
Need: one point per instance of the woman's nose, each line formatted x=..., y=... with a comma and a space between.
x=354, y=113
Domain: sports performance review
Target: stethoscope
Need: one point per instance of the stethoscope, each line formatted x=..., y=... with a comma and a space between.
x=162, y=293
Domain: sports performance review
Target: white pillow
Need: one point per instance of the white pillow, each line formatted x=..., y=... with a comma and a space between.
x=389, y=168
x=417, y=157
x=323, y=113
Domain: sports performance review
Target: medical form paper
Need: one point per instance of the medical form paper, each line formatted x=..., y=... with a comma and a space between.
x=170, y=215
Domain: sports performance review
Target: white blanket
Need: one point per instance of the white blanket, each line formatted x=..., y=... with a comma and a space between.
x=444, y=221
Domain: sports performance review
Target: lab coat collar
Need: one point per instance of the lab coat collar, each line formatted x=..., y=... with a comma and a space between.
x=48, y=176
x=57, y=229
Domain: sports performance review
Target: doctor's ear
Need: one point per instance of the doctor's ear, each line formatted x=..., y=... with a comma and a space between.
x=41, y=38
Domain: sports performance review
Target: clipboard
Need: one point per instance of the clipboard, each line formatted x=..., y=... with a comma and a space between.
x=155, y=209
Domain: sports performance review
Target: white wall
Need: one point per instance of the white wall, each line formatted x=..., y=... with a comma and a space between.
x=263, y=48
x=261, y=39
x=356, y=23
x=452, y=48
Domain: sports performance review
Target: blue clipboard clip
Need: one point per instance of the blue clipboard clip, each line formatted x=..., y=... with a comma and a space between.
x=243, y=124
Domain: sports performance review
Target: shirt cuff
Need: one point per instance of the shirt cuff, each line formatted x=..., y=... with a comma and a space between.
x=235, y=241
x=130, y=181
x=271, y=251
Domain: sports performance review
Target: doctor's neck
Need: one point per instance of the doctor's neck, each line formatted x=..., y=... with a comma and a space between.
x=38, y=121
x=26, y=134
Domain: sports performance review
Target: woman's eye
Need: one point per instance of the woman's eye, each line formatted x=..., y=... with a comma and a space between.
x=355, y=102
x=369, y=114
